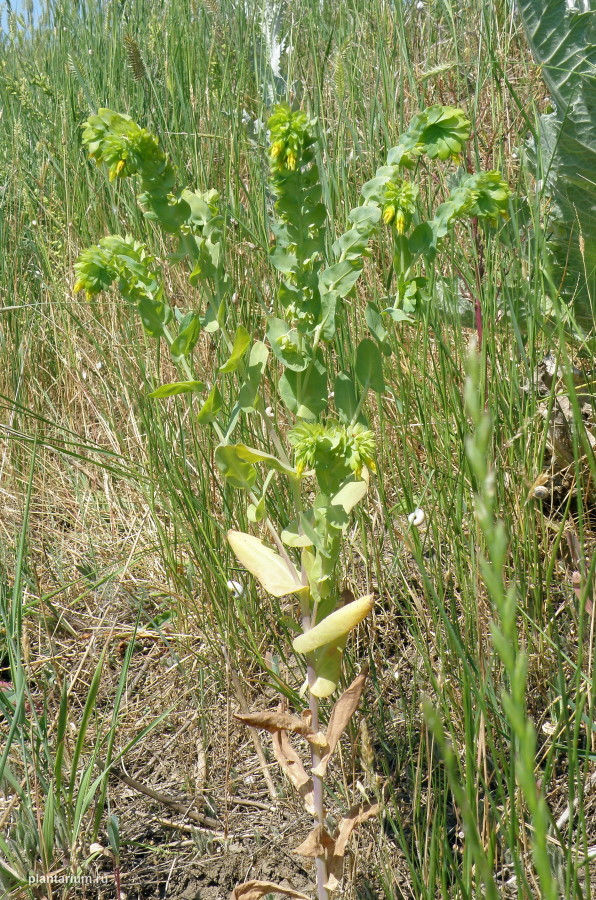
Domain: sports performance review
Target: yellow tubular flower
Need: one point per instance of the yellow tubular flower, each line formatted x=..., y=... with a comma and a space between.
x=388, y=214
x=276, y=149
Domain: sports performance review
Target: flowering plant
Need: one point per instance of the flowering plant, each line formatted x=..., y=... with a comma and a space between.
x=330, y=449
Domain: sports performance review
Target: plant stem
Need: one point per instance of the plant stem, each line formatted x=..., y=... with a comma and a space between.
x=320, y=861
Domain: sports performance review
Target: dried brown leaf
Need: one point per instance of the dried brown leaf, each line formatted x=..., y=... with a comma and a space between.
x=341, y=714
x=254, y=890
x=318, y=843
x=273, y=720
x=291, y=764
x=335, y=864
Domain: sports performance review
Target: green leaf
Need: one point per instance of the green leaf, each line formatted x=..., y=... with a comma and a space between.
x=48, y=833
x=154, y=315
x=239, y=473
x=256, y=513
x=210, y=321
x=249, y=393
x=351, y=493
x=368, y=216
x=284, y=343
x=341, y=277
x=345, y=398
x=397, y=314
x=352, y=245
x=377, y=329
x=249, y=454
x=294, y=536
x=327, y=321
x=284, y=262
x=423, y=240
x=305, y=393
x=185, y=342
x=178, y=387
x=241, y=342
x=210, y=407
x=369, y=366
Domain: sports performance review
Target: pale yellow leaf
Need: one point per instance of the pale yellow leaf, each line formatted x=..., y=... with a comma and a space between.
x=334, y=626
x=278, y=576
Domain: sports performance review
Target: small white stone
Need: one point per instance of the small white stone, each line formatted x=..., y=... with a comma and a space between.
x=34, y=222
x=96, y=848
x=417, y=517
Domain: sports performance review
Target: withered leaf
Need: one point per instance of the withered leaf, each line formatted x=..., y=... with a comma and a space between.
x=335, y=864
x=318, y=843
x=274, y=719
x=291, y=764
x=254, y=890
x=341, y=714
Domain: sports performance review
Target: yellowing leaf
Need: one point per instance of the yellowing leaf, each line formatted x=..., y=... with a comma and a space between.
x=335, y=626
x=326, y=663
x=278, y=576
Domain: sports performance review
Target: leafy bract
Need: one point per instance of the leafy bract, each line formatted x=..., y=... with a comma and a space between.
x=237, y=471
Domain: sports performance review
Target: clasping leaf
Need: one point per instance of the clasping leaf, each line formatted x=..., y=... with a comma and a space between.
x=278, y=576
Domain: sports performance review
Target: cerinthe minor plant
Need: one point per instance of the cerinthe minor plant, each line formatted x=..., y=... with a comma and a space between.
x=328, y=453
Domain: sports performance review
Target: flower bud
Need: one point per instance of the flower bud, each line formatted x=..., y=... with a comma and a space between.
x=276, y=149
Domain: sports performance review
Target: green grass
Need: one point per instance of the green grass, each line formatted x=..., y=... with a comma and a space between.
x=102, y=485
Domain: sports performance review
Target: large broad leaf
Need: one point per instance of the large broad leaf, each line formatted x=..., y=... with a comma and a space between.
x=563, y=41
x=369, y=366
x=240, y=473
x=275, y=574
x=352, y=492
x=305, y=393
